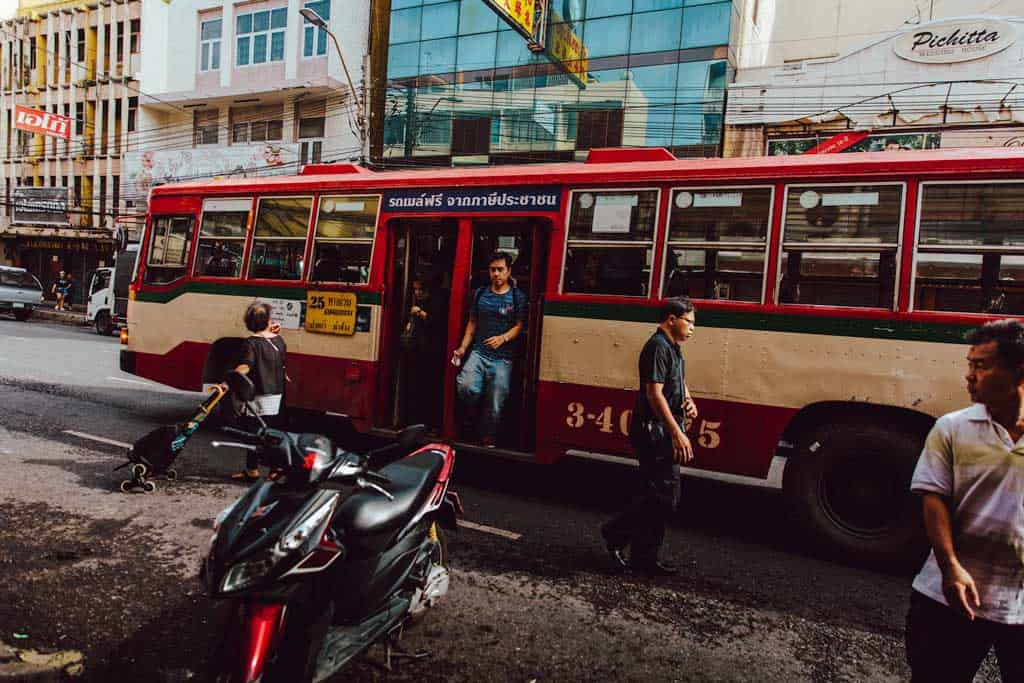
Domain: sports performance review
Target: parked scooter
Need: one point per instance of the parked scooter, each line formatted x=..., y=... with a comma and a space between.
x=327, y=557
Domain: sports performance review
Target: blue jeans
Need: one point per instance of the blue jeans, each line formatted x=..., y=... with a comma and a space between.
x=483, y=386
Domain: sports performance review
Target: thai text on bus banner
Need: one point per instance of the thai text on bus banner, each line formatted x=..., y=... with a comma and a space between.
x=546, y=198
x=518, y=13
x=331, y=312
x=36, y=121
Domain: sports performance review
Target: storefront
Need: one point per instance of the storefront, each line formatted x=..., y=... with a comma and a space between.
x=46, y=256
x=942, y=84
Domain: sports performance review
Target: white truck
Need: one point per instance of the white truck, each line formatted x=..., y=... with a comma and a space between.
x=108, y=292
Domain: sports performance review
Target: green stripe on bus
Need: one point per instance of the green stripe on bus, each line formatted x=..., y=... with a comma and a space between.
x=948, y=333
x=243, y=290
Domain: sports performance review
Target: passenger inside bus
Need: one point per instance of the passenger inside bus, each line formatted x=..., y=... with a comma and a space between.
x=422, y=343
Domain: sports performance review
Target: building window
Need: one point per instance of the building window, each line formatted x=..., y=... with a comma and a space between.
x=611, y=242
x=970, y=249
x=204, y=127
x=81, y=46
x=209, y=45
x=471, y=135
x=77, y=194
x=168, y=249
x=260, y=36
x=311, y=152
x=343, y=244
x=133, y=113
x=119, y=37
x=599, y=128
x=839, y=245
x=258, y=124
x=314, y=40
x=716, y=243
x=222, y=237
x=279, y=244
x=133, y=37
x=117, y=193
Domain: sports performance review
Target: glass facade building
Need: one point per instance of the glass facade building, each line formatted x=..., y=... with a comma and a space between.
x=464, y=87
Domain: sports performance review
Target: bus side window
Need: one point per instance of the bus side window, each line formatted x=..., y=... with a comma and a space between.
x=839, y=245
x=970, y=251
x=717, y=240
x=343, y=239
x=611, y=242
x=168, y=249
x=279, y=243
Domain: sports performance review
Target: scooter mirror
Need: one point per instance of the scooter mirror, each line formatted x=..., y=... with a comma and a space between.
x=411, y=435
x=240, y=385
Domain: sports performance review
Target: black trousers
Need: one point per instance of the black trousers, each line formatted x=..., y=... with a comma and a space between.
x=943, y=647
x=641, y=526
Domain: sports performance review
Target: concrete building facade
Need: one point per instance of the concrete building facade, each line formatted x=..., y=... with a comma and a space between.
x=245, y=88
x=80, y=61
x=896, y=74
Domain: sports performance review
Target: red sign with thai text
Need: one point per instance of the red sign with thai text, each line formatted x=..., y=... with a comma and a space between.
x=837, y=143
x=36, y=121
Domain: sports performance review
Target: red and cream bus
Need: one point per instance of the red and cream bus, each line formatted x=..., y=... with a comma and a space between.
x=832, y=292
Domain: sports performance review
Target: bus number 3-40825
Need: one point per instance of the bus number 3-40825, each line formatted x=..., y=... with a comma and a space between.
x=604, y=420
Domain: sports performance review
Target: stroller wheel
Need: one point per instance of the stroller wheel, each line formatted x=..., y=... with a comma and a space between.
x=138, y=470
x=148, y=486
x=126, y=486
x=171, y=475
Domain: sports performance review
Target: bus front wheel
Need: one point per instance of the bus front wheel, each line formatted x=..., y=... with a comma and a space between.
x=849, y=486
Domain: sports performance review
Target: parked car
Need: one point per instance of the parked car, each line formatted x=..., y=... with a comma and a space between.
x=20, y=292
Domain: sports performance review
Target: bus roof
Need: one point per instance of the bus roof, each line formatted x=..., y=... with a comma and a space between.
x=624, y=165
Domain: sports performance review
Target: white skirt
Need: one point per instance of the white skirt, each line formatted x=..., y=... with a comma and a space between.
x=267, y=404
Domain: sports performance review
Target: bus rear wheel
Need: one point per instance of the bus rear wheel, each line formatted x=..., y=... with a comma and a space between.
x=849, y=487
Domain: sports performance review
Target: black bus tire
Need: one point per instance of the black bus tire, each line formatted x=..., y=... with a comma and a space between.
x=849, y=488
x=104, y=325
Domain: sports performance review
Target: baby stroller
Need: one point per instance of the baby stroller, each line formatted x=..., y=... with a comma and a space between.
x=153, y=454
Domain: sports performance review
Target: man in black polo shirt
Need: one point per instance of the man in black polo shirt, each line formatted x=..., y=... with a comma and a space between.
x=659, y=441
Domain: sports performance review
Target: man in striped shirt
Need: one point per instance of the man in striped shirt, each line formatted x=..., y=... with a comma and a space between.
x=969, y=595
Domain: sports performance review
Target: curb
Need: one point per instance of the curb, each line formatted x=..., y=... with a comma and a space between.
x=63, y=317
x=27, y=666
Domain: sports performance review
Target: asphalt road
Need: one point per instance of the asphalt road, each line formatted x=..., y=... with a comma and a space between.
x=113, y=575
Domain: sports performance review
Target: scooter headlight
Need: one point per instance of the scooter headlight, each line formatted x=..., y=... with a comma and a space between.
x=244, y=574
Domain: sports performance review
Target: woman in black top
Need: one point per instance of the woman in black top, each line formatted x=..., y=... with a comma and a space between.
x=262, y=358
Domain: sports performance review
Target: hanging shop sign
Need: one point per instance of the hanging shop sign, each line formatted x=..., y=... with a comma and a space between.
x=839, y=142
x=40, y=205
x=518, y=13
x=955, y=40
x=567, y=50
x=45, y=123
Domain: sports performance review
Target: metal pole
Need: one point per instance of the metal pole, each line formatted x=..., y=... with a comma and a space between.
x=360, y=119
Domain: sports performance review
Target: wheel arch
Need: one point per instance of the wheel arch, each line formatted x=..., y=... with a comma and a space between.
x=815, y=414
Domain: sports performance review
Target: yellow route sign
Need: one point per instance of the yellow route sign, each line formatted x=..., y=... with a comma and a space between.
x=331, y=312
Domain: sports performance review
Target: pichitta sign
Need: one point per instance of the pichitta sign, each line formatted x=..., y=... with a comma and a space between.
x=462, y=200
x=37, y=121
x=955, y=40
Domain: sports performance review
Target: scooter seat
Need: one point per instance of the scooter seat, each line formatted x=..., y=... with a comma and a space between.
x=367, y=512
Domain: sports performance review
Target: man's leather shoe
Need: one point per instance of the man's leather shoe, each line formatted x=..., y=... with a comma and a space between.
x=656, y=568
x=617, y=553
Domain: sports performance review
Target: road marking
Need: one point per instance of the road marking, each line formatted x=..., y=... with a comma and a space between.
x=100, y=439
x=130, y=381
x=511, y=535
